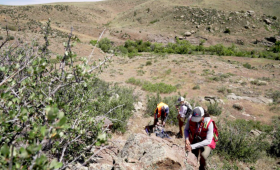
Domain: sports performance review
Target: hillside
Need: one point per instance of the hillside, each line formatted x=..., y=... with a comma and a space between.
x=211, y=52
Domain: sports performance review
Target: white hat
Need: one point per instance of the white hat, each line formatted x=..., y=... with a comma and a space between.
x=180, y=99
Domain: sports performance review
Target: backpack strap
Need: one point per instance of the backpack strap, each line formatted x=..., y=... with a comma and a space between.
x=206, y=124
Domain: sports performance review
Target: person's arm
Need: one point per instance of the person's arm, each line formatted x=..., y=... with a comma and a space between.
x=166, y=111
x=186, y=130
x=206, y=141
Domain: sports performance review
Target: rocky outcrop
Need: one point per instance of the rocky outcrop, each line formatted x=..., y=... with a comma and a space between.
x=213, y=99
x=143, y=152
x=259, y=99
x=156, y=152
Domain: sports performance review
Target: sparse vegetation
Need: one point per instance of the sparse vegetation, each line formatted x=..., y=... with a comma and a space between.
x=148, y=86
x=224, y=90
x=154, y=21
x=196, y=87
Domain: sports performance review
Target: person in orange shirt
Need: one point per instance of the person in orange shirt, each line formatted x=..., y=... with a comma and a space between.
x=162, y=112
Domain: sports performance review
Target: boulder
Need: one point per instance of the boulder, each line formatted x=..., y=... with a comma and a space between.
x=238, y=106
x=138, y=106
x=107, y=122
x=213, y=99
x=187, y=34
x=267, y=21
x=148, y=152
x=255, y=132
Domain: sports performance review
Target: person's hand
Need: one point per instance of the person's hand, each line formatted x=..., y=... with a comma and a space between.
x=158, y=123
x=188, y=142
x=188, y=148
x=163, y=123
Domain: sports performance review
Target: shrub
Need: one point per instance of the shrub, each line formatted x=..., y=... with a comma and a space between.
x=214, y=109
x=235, y=142
x=1, y=37
x=227, y=30
x=148, y=63
x=275, y=95
x=196, y=87
x=154, y=21
x=105, y=44
x=276, y=47
x=10, y=37
x=247, y=65
x=11, y=27
x=93, y=42
x=51, y=116
x=274, y=149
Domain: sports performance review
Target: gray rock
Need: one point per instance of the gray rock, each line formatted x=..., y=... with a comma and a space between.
x=255, y=132
x=107, y=122
x=267, y=21
x=187, y=34
x=138, y=106
x=154, y=151
x=238, y=106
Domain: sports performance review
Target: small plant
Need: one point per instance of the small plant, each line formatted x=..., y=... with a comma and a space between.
x=154, y=21
x=196, y=87
x=247, y=65
x=227, y=31
x=140, y=72
x=214, y=109
x=93, y=42
x=10, y=37
x=148, y=63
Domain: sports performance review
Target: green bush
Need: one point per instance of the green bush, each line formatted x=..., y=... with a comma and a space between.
x=10, y=37
x=154, y=21
x=235, y=142
x=93, y=42
x=227, y=30
x=214, y=109
x=247, y=65
x=105, y=44
x=11, y=27
x=148, y=63
x=274, y=149
x=51, y=116
x=275, y=96
x=276, y=47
